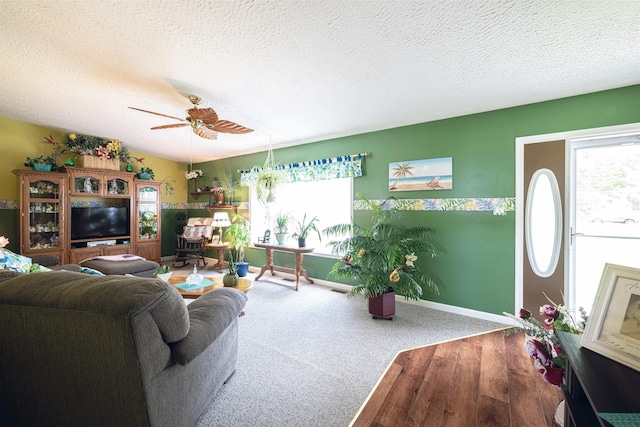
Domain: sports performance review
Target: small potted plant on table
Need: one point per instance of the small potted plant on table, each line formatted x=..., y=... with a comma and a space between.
x=303, y=228
x=163, y=273
x=282, y=226
x=231, y=278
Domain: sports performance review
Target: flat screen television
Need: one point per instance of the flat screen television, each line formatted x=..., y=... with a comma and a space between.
x=96, y=222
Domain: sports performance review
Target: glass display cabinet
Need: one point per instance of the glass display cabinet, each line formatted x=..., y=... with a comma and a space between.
x=93, y=182
x=42, y=212
x=147, y=221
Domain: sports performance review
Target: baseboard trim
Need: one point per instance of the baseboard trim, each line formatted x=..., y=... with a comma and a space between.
x=422, y=303
x=429, y=304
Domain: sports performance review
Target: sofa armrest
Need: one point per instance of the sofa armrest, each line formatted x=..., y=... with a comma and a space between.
x=209, y=317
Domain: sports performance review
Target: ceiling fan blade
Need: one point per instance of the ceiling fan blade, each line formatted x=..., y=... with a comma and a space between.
x=205, y=132
x=207, y=115
x=225, y=126
x=157, y=114
x=177, y=125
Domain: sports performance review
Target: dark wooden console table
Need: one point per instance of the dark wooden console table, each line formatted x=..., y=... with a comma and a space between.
x=299, y=254
x=596, y=386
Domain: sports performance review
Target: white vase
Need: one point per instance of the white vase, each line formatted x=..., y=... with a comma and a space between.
x=164, y=276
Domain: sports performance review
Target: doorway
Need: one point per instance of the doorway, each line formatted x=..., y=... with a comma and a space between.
x=606, y=210
x=575, y=160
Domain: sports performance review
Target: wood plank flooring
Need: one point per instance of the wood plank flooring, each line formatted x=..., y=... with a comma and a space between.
x=482, y=380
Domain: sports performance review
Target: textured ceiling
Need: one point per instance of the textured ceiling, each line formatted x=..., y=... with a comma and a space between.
x=300, y=71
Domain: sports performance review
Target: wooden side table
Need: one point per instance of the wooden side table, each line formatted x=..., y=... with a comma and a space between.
x=299, y=254
x=220, y=247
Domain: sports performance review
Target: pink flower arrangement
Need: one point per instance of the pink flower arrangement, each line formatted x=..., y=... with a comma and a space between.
x=542, y=343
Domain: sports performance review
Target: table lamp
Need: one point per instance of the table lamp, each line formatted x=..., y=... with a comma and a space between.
x=221, y=219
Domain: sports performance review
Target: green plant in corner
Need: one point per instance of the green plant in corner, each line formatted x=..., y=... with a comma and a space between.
x=383, y=255
x=239, y=234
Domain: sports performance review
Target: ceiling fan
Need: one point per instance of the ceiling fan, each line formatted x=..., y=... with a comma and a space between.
x=204, y=121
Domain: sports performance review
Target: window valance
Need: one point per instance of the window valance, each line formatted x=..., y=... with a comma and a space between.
x=349, y=166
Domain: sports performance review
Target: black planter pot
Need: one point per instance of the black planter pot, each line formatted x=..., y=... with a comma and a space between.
x=302, y=242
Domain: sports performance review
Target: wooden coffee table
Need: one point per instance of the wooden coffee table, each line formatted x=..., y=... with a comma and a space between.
x=244, y=285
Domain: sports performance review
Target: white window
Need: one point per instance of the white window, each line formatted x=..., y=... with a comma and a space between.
x=330, y=200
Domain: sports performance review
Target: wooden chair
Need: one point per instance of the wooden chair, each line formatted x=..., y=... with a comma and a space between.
x=191, y=243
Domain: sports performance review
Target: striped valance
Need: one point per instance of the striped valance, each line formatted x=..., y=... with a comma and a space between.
x=349, y=166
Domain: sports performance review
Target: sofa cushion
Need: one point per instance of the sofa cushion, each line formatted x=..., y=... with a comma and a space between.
x=210, y=315
x=197, y=232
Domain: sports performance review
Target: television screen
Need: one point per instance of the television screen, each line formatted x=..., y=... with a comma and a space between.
x=95, y=222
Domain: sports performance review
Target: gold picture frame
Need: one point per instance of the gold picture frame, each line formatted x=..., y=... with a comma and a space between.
x=613, y=327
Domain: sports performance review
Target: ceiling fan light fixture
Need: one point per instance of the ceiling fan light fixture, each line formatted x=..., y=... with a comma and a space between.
x=204, y=121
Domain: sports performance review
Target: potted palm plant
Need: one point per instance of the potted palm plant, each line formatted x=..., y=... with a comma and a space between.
x=239, y=234
x=381, y=259
x=303, y=228
x=282, y=226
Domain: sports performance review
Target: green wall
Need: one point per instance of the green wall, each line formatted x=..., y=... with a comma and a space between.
x=477, y=268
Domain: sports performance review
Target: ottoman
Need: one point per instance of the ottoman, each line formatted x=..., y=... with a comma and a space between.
x=138, y=267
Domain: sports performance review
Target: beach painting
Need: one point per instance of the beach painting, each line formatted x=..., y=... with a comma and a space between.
x=419, y=175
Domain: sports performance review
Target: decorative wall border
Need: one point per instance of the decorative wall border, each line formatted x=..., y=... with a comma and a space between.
x=8, y=204
x=497, y=205
x=240, y=205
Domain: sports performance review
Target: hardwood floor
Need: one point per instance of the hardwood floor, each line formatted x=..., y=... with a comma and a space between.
x=482, y=380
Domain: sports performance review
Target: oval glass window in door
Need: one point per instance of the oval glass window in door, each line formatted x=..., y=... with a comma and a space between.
x=543, y=223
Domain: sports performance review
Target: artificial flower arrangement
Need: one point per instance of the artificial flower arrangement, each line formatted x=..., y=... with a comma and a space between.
x=85, y=145
x=97, y=147
x=542, y=343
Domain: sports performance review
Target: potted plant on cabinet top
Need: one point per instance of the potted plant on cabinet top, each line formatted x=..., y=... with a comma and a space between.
x=282, y=226
x=145, y=173
x=303, y=228
x=239, y=234
x=41, y=163
x=381, y=258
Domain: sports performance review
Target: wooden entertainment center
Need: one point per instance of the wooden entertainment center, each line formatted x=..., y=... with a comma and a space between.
x=50, y=200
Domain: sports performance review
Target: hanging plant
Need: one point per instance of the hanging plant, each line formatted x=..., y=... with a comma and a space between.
x=268, y=182
x=269, y=178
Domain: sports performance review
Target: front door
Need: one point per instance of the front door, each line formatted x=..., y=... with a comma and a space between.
x=543, y=261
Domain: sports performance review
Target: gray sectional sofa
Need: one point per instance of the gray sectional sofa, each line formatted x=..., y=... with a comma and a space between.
x=84, y=350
